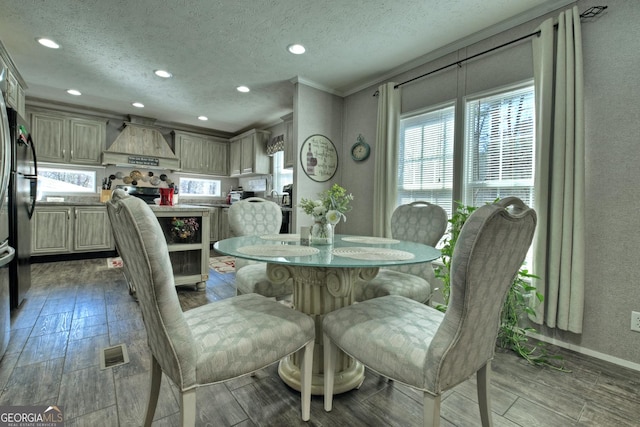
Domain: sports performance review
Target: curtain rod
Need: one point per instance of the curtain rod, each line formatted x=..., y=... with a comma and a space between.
x=589, y=13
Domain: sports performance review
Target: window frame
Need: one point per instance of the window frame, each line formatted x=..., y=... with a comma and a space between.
x=448, y=153
x=67, y=168
x=199, y=178
x=522, y=183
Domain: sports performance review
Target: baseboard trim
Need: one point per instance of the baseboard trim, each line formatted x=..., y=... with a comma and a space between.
x=587, y=352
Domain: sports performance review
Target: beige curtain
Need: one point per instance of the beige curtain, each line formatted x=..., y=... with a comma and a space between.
x=386, y=156
x=559, y=242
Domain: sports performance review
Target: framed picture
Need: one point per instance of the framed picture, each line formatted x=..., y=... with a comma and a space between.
x=319, y=158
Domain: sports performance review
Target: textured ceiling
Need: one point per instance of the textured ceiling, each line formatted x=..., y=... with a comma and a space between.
x=109, y=49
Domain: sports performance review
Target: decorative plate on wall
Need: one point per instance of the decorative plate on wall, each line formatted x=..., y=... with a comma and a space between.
x=319, y=158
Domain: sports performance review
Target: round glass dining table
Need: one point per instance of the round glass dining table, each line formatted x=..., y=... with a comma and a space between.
x=323, y=277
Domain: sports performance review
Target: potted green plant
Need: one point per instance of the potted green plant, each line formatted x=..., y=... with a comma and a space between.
x=517, y=307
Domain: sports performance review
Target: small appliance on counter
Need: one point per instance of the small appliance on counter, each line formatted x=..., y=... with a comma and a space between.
x=147, y=194
x=287, y=198
x=234, y=196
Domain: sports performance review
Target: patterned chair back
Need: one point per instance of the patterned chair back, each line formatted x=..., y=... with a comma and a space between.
x=420, y=222
x=488, y=254
x=254, y=217
x=143, y=248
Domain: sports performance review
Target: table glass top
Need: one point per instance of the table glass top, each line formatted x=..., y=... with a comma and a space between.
x=346, y=251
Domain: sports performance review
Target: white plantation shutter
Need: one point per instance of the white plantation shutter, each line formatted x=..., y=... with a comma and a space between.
x=425, y=163
x=499, y=147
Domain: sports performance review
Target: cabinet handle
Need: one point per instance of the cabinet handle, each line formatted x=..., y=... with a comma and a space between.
x=64, y=152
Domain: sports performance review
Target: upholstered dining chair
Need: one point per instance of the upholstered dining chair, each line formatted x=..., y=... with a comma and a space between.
x=256, y=217
x=419, y=346
x=420, y=222
x=209, y=344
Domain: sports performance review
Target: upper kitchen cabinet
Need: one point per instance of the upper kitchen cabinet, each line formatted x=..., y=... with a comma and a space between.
x=13, y=85
x=290, y=149
x=202, y=153
x=64, y=138
x=248, y=153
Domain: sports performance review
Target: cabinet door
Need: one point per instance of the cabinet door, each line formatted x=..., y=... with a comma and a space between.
x=214, y=214
x=247, y=155
x=217, y=157
x=51, y=230
x=223, y=224
x=191, y=154
x=290, y=149
x=92, y=229
x=87, y=140
x=48, y=136
x=235, y=158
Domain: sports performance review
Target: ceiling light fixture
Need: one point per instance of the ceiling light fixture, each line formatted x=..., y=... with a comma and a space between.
x=162, y=73
x=138, y=104
x=74, y=92
x=296, y=49
x=242, y=89
x=48, y=43
x=203, y=118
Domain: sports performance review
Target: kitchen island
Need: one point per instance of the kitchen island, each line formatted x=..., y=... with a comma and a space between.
x=188, y=247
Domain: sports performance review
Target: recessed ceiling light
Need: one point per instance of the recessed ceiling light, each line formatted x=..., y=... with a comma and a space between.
x=242, y=89
x=74, y=92
x=162, y=73
x=48, y=43
x=296, y=49
x=138, y=104
x=203, y=118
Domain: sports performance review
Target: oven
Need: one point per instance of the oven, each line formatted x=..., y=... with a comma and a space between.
x=147, y=194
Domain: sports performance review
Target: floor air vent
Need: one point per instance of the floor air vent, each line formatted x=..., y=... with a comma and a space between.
x=113, y=356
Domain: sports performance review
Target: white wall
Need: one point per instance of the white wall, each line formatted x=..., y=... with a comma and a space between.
x=612, y=97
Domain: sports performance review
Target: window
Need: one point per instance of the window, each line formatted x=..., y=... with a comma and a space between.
x=66, y=181
x=199, y=187
x=425, y=165
x=499, y=147
x=281, y=176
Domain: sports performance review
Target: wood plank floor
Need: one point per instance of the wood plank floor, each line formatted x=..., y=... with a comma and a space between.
x=77, y=308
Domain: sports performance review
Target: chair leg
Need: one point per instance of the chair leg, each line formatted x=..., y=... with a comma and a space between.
x=483, y=378
x=431, y=410
x=330, y=353
x=156, y=379
x=188, y=408
x=306, y=370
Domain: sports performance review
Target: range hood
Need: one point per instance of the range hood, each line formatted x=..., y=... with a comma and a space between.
x=141, y=144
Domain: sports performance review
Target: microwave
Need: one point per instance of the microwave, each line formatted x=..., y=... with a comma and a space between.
x=235, y=196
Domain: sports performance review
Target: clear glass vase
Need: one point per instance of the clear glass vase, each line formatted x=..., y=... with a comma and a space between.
x=321, y=233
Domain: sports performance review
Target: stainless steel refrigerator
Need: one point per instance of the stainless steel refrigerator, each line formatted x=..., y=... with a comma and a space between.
x=23, y=187
x=6, y=251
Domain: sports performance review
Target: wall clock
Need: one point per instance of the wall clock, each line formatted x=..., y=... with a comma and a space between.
x=360, y=150
x=319, y=158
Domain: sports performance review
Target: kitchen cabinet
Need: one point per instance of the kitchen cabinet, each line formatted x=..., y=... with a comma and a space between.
x=223, y=224
x=248, y=153
x=15, y=85
x=190, y=258
x=92, y=229
x=202, y=153
x=51, y=228
x=290, y=146
x=63, y=138
x=214, y=215
x=70, y=229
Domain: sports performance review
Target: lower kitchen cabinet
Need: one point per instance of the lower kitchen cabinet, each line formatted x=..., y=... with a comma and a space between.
x=70, y=229
x=223, y=224
x=214, y=214
x=92, y=229
x=51, y=229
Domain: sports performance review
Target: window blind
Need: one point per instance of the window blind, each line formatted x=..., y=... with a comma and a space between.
x=425, y=166
x=499, y=147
